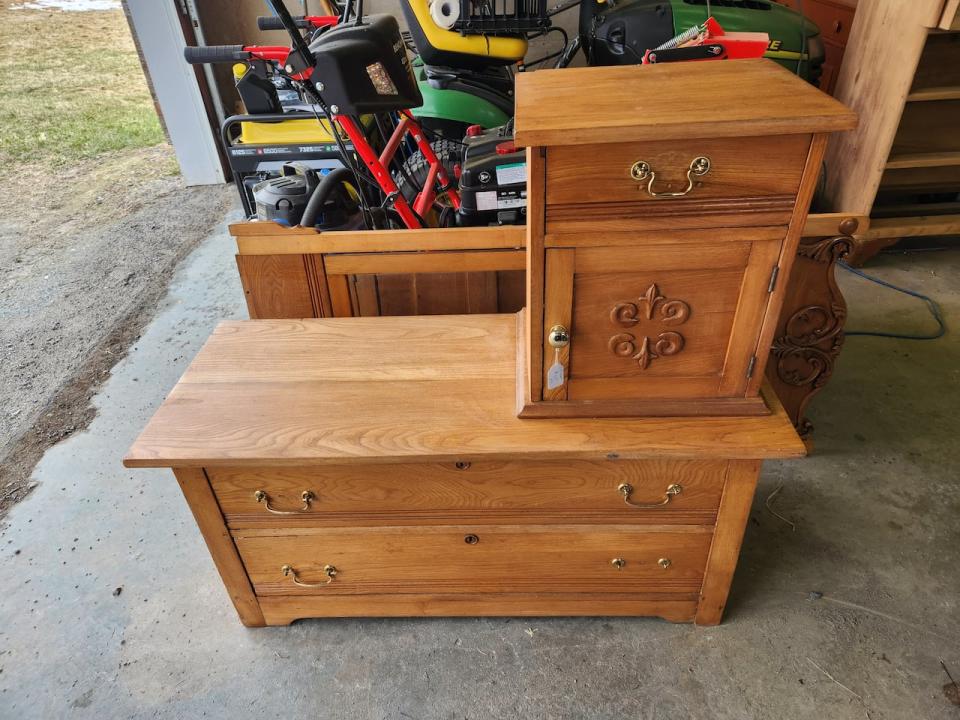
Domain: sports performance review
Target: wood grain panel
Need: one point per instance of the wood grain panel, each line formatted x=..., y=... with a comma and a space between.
x=748, y=320
x=558, y=310
x=725, y=550
x=503, y=558
x=366, y=390
x=533, y=316
x=655, y=242
x=266, y=238
x=511, y=290
x=739, y=99
x=276, y=286
x=719, y=256
x=748, y=167
x=710, y=298
x=426, y=262
x=196, y=489
x=598, y=218
x=674, y=607
x=874, y=81
x=486, y=492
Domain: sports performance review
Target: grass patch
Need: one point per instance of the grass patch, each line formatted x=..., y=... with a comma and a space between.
x=71, y=87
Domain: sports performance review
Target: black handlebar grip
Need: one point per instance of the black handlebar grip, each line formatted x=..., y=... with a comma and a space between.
x=215, y=54
x=271, y=22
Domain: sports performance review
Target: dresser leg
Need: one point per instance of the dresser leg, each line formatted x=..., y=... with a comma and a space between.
x=731, y=522
x=206, y=510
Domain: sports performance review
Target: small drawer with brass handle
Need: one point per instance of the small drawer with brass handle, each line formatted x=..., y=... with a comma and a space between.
x=613, y=186
x=482, y=492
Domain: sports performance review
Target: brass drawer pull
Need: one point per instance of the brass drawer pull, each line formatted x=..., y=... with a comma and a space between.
x=329, y=570
x=626, y=489
x=306, y=496
x=641, y=170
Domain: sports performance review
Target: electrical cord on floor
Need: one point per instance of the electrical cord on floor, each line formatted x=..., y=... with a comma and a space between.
x=930, y=303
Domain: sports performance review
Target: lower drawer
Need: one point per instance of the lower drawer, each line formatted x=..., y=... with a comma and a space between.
x=543, y=492
x=476, y=559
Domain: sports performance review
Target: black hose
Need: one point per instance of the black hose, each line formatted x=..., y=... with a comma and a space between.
x=327, y=185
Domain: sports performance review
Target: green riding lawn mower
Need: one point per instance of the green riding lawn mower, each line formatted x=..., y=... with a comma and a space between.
x=465, y=68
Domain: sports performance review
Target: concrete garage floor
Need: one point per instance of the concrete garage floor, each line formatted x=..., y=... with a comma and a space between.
x=111, y=607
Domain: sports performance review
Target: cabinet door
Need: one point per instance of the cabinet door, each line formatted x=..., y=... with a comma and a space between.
x=677, y=316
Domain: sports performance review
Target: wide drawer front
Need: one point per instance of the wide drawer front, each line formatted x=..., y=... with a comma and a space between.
x=696, y=183
x=545, y=491
x=468, y=559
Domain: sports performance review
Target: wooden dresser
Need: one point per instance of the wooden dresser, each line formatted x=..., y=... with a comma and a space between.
x=376, y=467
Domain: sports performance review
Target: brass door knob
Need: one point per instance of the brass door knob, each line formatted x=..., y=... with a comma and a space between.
x=618, y=563
x=664, y=563
x=559, y=336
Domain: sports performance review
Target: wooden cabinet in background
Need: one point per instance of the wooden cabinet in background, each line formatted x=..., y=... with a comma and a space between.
x=835, y=19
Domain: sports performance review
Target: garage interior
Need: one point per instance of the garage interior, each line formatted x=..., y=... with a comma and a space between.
x=844, y=600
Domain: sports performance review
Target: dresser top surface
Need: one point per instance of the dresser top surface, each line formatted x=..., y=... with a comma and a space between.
x=400, y=389
x=671, y=101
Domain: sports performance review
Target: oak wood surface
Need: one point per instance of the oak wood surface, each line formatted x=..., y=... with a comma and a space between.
x=276, y=286
x=265, y=238
x=559, y=491
x=471, y=559
x=196, y=489
x=673, y=607
x=457, y=261
x=788, y=255
x=731, y=523
x=677, y=214
x=919, y=225
x=558, y=310
x=751, y=307
x=533, y=314
x=671, y=101
x=656, y=241
x=416, y=389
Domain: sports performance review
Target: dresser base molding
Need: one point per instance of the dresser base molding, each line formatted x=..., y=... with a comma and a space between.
x=673, y=607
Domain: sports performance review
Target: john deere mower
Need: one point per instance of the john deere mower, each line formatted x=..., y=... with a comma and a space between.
x=469, y=49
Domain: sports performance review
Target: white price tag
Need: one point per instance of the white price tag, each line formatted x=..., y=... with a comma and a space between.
x=555, y=376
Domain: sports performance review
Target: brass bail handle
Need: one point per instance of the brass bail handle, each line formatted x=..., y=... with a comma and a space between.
x=329, y=570
x=306, y=497
x=626, y=489
x=641, y=170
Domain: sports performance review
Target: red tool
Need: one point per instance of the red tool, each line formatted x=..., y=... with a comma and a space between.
x=709, y=42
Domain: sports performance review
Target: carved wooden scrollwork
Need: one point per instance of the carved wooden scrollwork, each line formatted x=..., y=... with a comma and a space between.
x=653, y=308
x=810, y=331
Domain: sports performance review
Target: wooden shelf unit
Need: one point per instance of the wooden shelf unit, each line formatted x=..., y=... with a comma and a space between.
x=902, y=165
